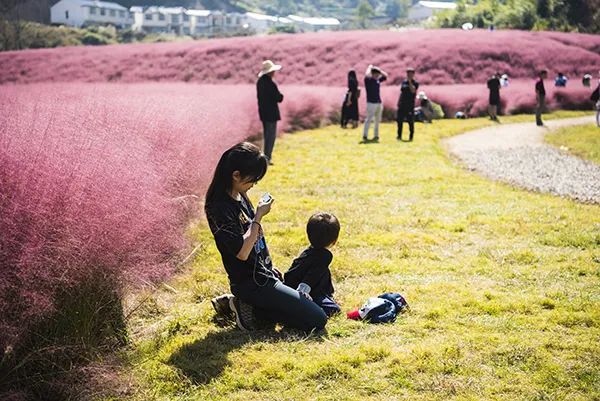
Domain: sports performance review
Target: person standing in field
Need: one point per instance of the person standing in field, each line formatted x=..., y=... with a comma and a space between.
x=374, y=76
x=493, y=85
x=269, y=98
x=406, y=103
x=540, y=93
x=350, y=106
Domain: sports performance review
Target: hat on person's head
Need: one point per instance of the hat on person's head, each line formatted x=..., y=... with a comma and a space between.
x=267, y=67
x=410, y=69
x=422, y=96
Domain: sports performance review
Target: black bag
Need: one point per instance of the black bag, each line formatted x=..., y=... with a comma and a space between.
x=595, y=95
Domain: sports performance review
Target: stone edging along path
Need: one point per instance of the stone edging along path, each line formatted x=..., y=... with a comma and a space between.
x=517, y=154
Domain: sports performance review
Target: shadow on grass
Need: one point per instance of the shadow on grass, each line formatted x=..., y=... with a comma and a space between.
x=205, y=359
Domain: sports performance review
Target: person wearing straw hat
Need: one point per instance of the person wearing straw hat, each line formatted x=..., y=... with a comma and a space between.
x=424, y=112
x=269, y=98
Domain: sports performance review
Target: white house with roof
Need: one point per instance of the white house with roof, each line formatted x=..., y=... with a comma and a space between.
x=201, y=21
x=314, y=23
x=79, y=13
x=181, y=21
x=262, y=23
x=426, y=9
x=156, y=19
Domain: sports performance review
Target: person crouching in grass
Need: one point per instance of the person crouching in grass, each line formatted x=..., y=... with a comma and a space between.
x=310, y=274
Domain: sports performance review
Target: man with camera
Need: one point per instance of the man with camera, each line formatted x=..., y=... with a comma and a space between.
x=406, y=103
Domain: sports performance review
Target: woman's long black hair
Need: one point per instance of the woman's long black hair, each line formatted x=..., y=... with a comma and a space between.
x=352, y=77
x=243, y=157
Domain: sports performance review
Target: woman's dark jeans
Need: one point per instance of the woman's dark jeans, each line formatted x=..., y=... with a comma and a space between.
x=278, y=303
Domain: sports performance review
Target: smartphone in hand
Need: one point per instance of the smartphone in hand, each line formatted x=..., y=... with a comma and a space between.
x=266, y=199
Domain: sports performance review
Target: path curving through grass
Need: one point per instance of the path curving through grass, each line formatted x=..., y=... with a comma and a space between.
x=517, y=154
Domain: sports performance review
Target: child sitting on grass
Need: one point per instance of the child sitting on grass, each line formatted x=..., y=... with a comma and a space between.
x=310, y=274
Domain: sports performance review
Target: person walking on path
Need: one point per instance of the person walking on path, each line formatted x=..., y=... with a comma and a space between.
x=540, y=93
x=406, y=103
x=350, y=106
x=373, y=79
x=259, y=294
x=493, y=85
x=269, y=98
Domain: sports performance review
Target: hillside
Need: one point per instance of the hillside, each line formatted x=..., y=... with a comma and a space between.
x=38, y=10
x=440, y=56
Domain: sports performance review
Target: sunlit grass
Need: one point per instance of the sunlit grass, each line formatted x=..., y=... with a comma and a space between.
x=581, y=140
x=503, y=285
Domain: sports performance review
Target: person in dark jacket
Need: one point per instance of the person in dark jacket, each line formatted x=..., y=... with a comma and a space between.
x=310, y=274
x=269, y=98
x=540, y=94
x=406, y=103
x=350, y=106
x=493, y=85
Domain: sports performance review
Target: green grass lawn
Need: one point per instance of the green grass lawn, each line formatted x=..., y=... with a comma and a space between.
x=504, y=286
x=581, y=140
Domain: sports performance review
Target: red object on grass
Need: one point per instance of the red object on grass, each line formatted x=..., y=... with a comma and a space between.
x=354, y=315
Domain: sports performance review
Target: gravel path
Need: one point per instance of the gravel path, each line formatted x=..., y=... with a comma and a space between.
x=517, y=154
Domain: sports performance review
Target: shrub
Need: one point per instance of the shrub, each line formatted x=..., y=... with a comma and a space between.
x=90, y=178
x=441, y=57
x=94, y=39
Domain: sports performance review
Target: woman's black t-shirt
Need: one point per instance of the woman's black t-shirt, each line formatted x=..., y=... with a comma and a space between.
x=228, y=220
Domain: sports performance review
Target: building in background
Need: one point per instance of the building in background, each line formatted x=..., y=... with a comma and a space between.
x=426, y=9
x=314, y=24
x=80, y=13
x=178, y=20
x=261, y=23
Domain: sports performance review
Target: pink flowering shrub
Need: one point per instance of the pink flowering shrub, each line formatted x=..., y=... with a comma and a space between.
x=94, y=195
x=94, y=178
x=441, y=57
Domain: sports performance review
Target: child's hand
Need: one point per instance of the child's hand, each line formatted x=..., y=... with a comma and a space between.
x=304, y=290
x=305, y=295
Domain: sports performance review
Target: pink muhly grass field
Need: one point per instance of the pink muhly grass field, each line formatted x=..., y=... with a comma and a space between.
x=95, y=180
x=441, y=57
x=518, y=97
x=89, y=181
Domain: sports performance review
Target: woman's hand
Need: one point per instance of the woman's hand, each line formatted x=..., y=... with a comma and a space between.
x=278, y=273
x=263, y=209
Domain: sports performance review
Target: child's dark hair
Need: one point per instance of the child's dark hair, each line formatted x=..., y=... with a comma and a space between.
x=323, y=229
x=243, y=157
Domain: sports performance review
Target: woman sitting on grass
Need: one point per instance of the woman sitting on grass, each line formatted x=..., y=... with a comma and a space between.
x=258, y=293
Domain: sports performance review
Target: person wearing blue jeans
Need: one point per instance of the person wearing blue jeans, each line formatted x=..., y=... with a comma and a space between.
x=237, y=229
